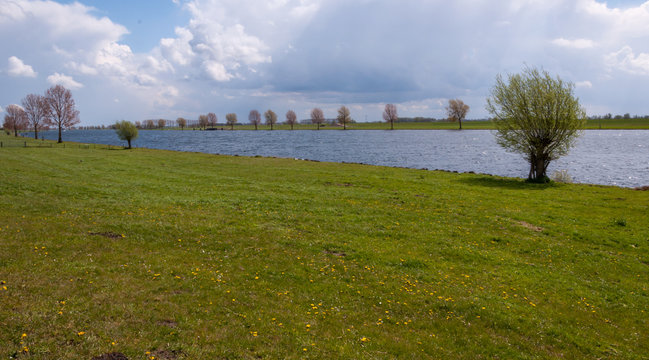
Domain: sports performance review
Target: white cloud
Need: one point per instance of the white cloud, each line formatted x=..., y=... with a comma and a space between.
x=115, y=59
x=627, y=61
x=16, y=67
x=167, y=96
x=575, y=44
x=178, y=50
x=217, y=71
x=215, y=43
x=584, y=84
x=66, y=81
x=82, y=68
x=631, y=21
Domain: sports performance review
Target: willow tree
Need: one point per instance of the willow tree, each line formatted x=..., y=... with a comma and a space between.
x=231, y=119
x=212, y=119
x=317, y=117
x=537, y=116
x=390, y=114
x=182, y=122
x=343, y=116
x=271, y=118
x=255, y=118
x=457, y=110
x=203, y=121
x=291, y=118
x=126, y=131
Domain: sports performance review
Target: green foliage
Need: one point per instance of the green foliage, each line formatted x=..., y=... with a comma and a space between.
x=126, y=130
x=537, y=116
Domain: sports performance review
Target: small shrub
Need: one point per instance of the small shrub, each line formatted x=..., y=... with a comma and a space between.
x=561, y=176
x=620, y=222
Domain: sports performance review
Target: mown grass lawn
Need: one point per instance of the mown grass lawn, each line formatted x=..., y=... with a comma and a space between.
x=192, y=256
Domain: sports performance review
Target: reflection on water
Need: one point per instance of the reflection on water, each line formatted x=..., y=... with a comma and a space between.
x=610, y=157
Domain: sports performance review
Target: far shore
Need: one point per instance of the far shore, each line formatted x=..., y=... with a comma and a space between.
x=591, y=124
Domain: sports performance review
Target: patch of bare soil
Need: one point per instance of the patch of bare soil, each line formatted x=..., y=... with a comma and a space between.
x=339, y=184
x=530, y=226
x=111, y=356
x=110, y=235
x=168, y=323
x=335, y=253
x=167, y=354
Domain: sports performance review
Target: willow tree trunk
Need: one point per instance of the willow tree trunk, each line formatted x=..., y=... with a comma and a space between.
x=538, y=168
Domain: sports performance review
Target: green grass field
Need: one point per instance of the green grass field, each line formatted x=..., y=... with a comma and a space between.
x=170, y=255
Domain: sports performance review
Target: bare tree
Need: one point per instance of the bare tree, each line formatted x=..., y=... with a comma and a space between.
x=271, y=118
x=182, y=122
x=203, y=121
x=212, y=119
x=149, y=124
x=231, y=119
x=343, y=116
x=63, y=113
x=255, y=118
x=291, y=118
x=138, y=124
x=457, y=110
x=15, y=119
x=37, y=111
x=317, y=117
x=390, y=115
x=162, y=123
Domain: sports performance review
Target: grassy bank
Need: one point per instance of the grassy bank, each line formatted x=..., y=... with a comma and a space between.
x=620, y=124
x=193, y=256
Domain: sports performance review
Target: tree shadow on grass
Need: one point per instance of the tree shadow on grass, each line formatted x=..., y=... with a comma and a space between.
x=504, y=183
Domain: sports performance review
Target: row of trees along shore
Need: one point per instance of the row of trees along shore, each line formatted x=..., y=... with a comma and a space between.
x=456, y=110
x=535, y=115
x=185, y=123
x=38, y=112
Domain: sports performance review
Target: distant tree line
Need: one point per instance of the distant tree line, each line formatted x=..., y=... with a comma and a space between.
x=456, y=112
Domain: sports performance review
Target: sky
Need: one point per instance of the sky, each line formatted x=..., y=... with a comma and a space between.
x=137, y=60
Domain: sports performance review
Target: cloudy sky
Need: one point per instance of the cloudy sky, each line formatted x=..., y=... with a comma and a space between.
x=138, y=60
